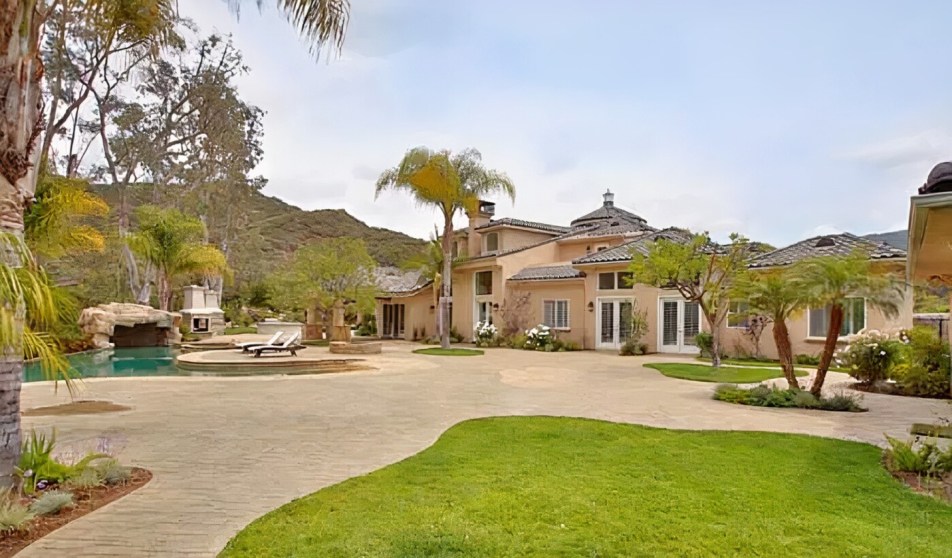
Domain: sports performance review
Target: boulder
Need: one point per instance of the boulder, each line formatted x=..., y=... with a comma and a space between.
x=100, y=322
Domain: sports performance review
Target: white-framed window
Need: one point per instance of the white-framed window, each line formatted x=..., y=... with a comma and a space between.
x=555, y=313
x=854, y=318
x=484, y=283
x=738, y=314
x=615, y=280
x=492, y=242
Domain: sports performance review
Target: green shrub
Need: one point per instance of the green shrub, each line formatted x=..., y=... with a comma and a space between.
x=926, y=367
x=455, y=335
x=869, y=357
x=732, y=393
x=13, y=514
x=111, y=472
x=516, y=341
x=571, y=346
x=917, y=380
x=51, y=502
x=555, y=346
x=922, y=458
x=633, y=347
x=806, y=360
x=772, y=396
x=87, y=479
x=705, y=342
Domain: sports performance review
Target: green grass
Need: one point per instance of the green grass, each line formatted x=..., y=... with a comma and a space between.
x=439, y=351
x=746, y=362
x=240, y=330
x=553, y=487
x=724, y=374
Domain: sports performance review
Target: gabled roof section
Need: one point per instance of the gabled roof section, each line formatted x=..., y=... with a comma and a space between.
x=841, y=245
x=623, y=252
x=396, y=281
x=548, y=273
x=510, y=222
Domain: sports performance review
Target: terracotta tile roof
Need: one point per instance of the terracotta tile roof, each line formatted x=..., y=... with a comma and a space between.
x=393, y=280
x=508, y=221
x=842, y=245
x=623, y=252
x=549, y=272
x=608, y=212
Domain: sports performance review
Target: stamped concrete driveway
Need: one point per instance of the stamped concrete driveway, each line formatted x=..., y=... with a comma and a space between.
x=224, y=451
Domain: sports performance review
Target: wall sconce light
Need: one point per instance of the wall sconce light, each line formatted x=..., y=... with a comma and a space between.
x=496, y=306
x=591, y=306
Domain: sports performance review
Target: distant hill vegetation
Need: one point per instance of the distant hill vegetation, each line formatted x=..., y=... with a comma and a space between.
x=899, y=239
x=271, y=230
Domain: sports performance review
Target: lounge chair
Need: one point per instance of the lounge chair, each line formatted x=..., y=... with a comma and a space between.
x=290, y=345
x=274, y=339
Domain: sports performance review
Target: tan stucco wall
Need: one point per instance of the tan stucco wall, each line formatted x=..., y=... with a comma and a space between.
x=419, y=318
x=511, y=238
x=732, y=338
x=572, y=290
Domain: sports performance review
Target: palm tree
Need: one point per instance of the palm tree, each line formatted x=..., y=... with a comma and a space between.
x=451, y=183
x=829, y=280
x=776, y=296
x=171, y=243
x=429, y=263
x=25, y=291
x=52, y=225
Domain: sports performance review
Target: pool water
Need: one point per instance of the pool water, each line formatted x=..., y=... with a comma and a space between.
x=112, y=363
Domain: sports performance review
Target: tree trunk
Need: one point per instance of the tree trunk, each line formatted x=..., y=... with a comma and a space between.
x=781, y=336
x=829, y=347
x=714, y=324
x=447, y=243
x=21, y=74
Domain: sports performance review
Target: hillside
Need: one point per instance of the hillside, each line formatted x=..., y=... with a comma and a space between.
x=273, y=229
x=899, y=239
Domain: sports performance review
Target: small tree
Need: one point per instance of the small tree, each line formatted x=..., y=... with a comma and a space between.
x=775, y=295
x=515, y=313
x=756, y=324
x=700, y=270
x=320, y=274
x=828, y=281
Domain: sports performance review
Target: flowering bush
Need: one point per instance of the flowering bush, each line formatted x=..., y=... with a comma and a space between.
x=869, y=356
x=927, y=367
x=485, y=334
x=540, y=338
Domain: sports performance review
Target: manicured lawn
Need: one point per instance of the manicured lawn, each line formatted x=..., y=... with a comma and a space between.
x=240, y=330
x=439, y=351
x=724, y=374
x=745, y=362
x=553, y=487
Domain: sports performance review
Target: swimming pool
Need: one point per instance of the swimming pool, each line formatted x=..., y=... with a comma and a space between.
x=112, y=363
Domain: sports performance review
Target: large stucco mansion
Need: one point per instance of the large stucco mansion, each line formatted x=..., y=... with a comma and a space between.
x=577, y=283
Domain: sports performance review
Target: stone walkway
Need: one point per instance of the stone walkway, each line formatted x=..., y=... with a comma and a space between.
x=225, y=451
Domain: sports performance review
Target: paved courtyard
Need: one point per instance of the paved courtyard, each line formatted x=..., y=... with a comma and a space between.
x=224, y=451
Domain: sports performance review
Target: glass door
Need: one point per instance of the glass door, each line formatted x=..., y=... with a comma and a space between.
x=614, y=322
x=680, y=324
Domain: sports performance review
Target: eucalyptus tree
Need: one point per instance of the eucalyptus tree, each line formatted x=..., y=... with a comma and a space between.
x=451, y=183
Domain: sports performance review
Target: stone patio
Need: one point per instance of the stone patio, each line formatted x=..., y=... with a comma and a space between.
x=225, y=451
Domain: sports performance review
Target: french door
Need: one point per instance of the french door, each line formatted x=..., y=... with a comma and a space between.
x=393, y=320
x=614, y=322
x=680, y=322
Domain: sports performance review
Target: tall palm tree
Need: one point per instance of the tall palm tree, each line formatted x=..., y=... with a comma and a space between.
x=452, y=183
x=25, y=291
x=172, y=244
x=776, y=296
x=828, y=281
x=429, y=263
x=322, y=23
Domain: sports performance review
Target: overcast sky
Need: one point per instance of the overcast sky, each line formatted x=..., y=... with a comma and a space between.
x=779, y=120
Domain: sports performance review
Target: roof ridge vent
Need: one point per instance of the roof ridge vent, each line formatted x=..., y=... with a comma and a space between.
x=825, y=242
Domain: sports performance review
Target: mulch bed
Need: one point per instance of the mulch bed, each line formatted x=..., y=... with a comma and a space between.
x=939, y=487
x=84, y=407
x=87, y=500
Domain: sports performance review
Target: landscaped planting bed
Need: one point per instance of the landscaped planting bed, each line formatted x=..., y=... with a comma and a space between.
x=705, y=373
x=543, y=487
